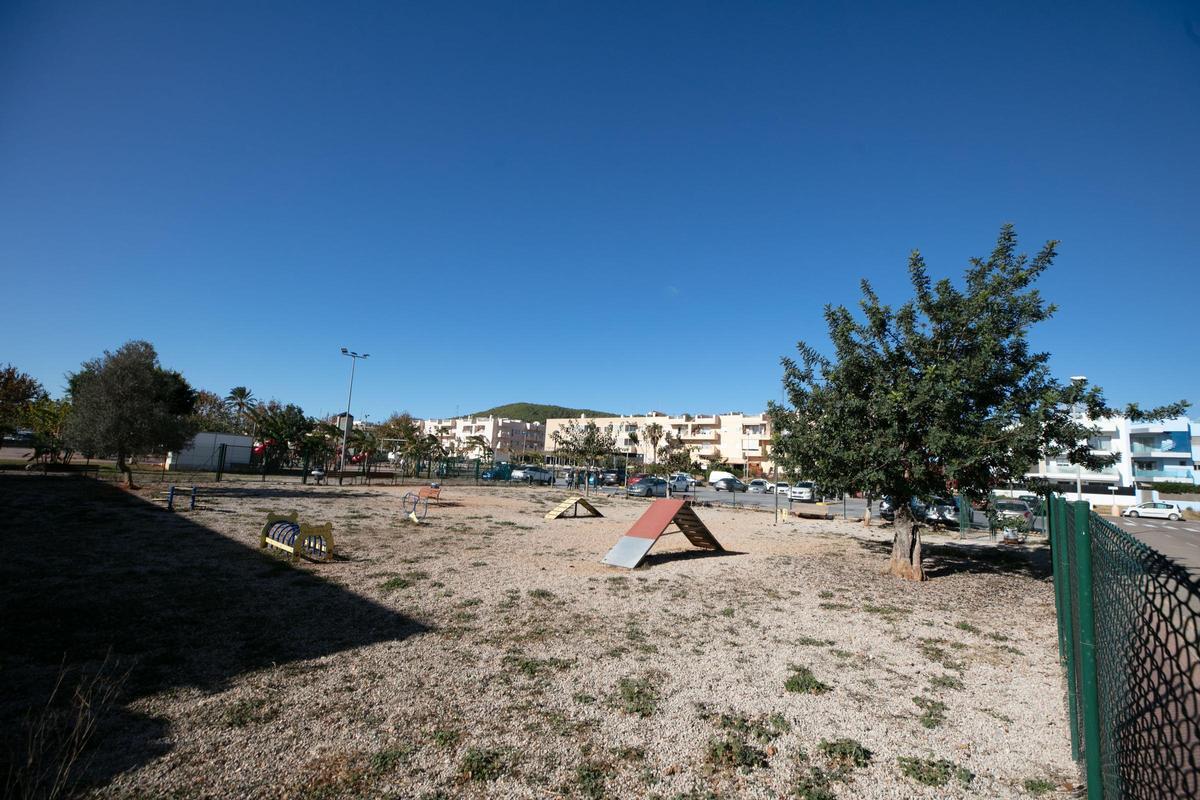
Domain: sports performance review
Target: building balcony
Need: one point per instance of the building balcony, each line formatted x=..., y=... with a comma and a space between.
x=702, y=436
x=1166, y=473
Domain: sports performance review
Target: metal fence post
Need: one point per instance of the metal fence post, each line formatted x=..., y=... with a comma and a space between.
x=220, y=461
x=1089, y=695
x=1061, y=542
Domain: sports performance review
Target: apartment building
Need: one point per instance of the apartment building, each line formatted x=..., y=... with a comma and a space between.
x=509, y=439
x=1150, y=453
x=740, y=439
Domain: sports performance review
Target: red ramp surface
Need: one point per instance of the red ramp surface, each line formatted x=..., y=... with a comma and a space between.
x=632, y=548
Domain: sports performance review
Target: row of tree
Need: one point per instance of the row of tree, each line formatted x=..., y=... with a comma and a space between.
x=125, y=403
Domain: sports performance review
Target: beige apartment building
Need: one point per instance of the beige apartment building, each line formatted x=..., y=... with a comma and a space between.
x=510, y=439
x=740, y=439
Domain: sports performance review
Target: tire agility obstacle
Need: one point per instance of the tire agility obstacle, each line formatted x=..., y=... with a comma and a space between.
x=285, y=532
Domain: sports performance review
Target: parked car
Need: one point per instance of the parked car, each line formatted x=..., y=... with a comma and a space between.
x=759, y=486
x=648, y=487
x=887, y=508
x=1017, y=510
x=942, y=511
x=1159, y=510
x=612, y=477
x=718, y=475
x=539, y=475
x=691, y=482
x=638, y=477
x=500, y=472
x=779, y=487
x=681, y=483
x=804, y=491
x=730, y=485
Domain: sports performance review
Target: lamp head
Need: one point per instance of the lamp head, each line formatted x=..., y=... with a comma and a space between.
x=345, y=352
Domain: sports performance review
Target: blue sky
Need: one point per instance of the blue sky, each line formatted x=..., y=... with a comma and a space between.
x=619, y=206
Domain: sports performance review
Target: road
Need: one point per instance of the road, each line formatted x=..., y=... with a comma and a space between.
x=1177, y=540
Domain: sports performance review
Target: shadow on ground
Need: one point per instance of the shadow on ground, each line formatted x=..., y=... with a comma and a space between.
x=92, y=574
x=655, y=559
x=944, y=559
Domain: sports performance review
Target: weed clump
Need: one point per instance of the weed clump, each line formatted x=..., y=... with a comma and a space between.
x=1038, y=786
x=637, y=696
x=803, y=681
x=844, y=754
x=933, y=772
x=482, y=764
x=933, y=711
x=735, y=752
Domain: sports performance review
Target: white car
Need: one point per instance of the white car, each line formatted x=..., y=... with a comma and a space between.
x=760, y=486
x=804, y=491
x=1160, y=510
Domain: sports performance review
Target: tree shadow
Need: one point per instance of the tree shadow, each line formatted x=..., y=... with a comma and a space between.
x=89, y=578
x=942, y=559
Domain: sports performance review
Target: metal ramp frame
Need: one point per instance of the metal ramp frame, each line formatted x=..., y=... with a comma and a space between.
x=573, y=503
x=631, y=549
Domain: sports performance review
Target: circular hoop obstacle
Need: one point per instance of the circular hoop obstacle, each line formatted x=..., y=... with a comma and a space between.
x=416, y=506
x=285, y=532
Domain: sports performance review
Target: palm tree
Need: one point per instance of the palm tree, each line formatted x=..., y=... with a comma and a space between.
x=477, y=442
x=241, y=400
x=654, y=434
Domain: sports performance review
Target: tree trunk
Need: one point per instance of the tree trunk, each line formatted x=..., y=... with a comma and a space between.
x=906, y=547
x=124, y=468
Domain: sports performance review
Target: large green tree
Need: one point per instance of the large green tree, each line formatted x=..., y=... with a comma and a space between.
x=941, y=393
x=214, y=414
x=125, y=403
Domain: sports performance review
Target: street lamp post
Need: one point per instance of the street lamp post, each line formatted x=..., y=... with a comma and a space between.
x=354, y=357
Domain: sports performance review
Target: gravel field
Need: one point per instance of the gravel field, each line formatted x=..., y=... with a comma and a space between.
x=487, y=653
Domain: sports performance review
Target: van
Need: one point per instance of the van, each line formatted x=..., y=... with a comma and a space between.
x=717, y=475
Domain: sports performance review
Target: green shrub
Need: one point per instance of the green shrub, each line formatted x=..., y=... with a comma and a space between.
x=933, y=772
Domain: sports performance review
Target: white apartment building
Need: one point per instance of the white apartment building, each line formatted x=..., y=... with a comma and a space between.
x=741, y=439
x=1150, y=453
x=509, y=439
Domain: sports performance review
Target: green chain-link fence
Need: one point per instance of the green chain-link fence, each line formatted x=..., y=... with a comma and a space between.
x=1129, y=639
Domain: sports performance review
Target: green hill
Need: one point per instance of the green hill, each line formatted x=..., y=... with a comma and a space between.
x=537, y=412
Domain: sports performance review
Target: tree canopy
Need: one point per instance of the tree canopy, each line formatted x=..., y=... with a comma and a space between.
x=18, y=392
x=941, y=393
x=125, y=403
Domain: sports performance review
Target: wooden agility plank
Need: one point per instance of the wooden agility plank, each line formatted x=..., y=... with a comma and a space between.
x=576, y=502
x=632, y=548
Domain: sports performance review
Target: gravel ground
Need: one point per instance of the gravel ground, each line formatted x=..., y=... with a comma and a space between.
x=487, y=653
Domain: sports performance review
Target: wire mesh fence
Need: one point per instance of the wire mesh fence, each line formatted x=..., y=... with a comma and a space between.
x=1129, y=637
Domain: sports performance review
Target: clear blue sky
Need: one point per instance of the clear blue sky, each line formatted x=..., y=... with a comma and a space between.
x=619, y=206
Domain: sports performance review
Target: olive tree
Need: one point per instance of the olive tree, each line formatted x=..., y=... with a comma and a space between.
x=124, y=403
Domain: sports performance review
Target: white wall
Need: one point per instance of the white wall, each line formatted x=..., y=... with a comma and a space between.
x=201, y=452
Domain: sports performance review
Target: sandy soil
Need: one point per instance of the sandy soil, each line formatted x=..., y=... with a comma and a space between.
x=487, y=653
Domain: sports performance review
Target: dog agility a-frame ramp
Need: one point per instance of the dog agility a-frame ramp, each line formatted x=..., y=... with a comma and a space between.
x=632, y=548
x=573, y=504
